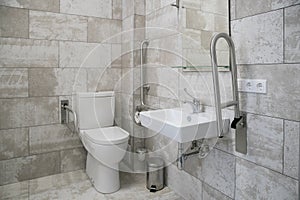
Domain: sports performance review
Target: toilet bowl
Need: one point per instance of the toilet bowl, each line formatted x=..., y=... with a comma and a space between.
x=106, y=144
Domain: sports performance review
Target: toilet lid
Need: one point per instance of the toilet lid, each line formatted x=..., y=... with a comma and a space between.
x=109, y=135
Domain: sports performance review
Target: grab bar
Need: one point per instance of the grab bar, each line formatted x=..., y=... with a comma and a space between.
x=143, y=86
x=69, y=109
x=239, y=122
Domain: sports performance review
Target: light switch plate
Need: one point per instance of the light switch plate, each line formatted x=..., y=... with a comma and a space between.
x=252, y=85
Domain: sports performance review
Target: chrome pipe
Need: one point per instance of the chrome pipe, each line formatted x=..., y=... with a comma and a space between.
x=180, y=157
x=233, y=69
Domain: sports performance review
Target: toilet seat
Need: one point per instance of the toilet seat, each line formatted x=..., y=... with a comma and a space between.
x=106, y=136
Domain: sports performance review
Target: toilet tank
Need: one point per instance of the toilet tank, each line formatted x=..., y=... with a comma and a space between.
x=95, y=109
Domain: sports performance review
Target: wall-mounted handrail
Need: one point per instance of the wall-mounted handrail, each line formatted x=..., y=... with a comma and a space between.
x=69, y=109
x=239, y=122
x=143, y=86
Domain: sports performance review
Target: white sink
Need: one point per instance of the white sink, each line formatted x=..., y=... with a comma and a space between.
x=182, y=126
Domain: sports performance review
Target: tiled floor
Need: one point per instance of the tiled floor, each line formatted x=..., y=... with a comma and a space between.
x=75, y=185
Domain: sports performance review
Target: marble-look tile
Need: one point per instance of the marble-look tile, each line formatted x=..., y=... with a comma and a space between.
x=217, y=170
x=256, y=182
x=265, y=33
x=159, y=84
x=291, y=148
x=276, y=4
x=95, y=8
x=165, y=17
x=105, y=79
x=25, y=168
x=211, y=194
x=75, y=185
x=291, y=35
x=28, y=53
x=54, y=26
x=283, y=83
x=139, y=7
x=56, y=81
x=51, y=138
x=117, y=9
x=30, y=112
x=73, y=159
x=15, y=191
x=116, y=55
x=104, y=30
x=265, y=141
x=196, y=19
x=127, y=8
x=49, y=5
x=13, y=82
x=79, y=54
x=13, y=22
x=44, y=164
x=246, y=8
x=178, y=180
x=13, y=143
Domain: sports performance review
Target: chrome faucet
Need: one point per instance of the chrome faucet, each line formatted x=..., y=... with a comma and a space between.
x=196, y=104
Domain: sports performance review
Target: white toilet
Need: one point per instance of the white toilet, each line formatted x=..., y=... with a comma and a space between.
x=106, y=144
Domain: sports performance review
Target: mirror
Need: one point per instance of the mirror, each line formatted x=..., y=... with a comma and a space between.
x=199, y=20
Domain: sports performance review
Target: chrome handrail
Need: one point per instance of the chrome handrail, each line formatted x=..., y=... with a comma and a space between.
x=233, y=69
x=69, y=109
x=142, y=96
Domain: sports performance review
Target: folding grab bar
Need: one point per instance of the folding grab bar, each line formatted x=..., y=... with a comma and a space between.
x=69, y=109
x=239, y=122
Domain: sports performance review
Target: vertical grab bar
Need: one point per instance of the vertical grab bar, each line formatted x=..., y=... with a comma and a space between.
x=239, y=122
x=142, y=72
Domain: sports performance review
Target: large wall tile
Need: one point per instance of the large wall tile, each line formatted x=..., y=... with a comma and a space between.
x=56, y=81
x=44, y=164
x=291, y=148
x=104, y=30
x=265, y=141
x=282, y=98
x=246, y=8
x=263, y=43
x=13, y=143
x=117, y=9
x=104, y=79
x=216, y=170
x=211, y=194
x=255, y=182
x=79, y=54
x=46, y=25
x=49, y=5
x=73, y=159
x=281, y=4
x=52, y=138
x=292, y=32
x=28, y=53
x=13, y=82
x=15, y=191
x=180, y=180
x=24, y=168
x=13, y=22
x=28, y=112
x=93, y=8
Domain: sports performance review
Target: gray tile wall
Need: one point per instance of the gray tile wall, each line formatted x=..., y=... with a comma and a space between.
x=48, y=50
x=266, y=35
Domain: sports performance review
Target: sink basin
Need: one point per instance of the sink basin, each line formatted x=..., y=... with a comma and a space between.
x=182, y=126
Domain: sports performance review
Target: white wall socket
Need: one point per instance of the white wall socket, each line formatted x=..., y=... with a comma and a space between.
x=252, y=85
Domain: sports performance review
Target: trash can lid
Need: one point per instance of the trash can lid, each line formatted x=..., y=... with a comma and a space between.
x=155, y=162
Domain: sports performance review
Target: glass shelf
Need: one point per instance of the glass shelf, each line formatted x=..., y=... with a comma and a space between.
x=200, y=68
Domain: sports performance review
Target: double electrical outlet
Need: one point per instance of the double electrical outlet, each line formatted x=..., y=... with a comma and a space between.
x=252, y=85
